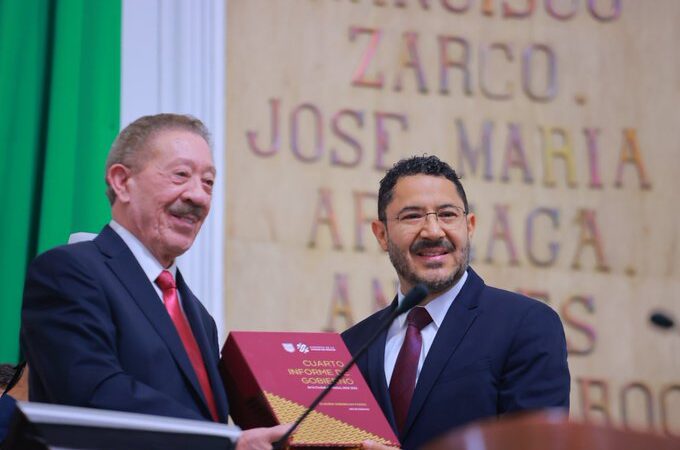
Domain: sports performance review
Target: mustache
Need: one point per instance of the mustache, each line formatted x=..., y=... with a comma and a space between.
x=422, y=244
x=188, y=209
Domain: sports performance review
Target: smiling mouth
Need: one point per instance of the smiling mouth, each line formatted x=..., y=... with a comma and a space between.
x=432, y=249
x=187, y=212
x=186, y=218
x=433, y=252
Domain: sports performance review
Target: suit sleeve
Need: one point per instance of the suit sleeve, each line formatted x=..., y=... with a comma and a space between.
x=69, y=338
x=535, y=374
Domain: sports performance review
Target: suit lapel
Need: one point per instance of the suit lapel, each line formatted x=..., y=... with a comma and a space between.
x=128, y=271
x=376, y=367
x=202, y=338
x=457, y=321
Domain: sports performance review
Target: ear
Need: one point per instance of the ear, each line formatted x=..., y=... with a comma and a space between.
x=118, y=177
x=380, y=232
x=471, y=224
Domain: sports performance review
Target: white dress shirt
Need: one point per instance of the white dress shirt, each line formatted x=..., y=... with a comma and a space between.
x=150, y=265
x=437, y=308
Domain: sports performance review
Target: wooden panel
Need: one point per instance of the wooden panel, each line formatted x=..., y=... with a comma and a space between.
x=563, y=125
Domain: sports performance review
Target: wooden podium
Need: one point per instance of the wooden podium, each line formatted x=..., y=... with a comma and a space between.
x=548, y=430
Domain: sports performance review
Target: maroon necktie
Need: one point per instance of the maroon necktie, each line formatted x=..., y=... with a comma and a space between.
x=403, y=381
x=167, y=284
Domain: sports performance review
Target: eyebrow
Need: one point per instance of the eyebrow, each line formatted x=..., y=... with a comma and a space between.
x=422, y=208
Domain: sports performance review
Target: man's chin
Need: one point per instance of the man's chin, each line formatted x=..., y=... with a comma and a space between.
x=434, y=274
x=441, y=283
x=178, y=245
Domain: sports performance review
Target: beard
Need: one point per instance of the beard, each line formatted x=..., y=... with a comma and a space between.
x=435, y=285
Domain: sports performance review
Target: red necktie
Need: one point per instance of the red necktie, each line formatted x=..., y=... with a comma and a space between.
x=403, y=380
x=167, y=284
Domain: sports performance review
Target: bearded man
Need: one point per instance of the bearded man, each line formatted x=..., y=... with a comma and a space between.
x=469, y=351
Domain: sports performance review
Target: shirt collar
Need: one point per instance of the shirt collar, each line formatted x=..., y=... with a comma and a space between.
x=439, y=306
x=150, y=265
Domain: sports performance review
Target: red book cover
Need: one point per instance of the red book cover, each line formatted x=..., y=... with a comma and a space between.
x=271, y=378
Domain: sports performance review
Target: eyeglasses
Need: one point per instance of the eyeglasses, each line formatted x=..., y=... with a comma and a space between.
x=449, y=216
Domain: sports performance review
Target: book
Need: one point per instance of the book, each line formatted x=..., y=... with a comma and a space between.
x=272, y=377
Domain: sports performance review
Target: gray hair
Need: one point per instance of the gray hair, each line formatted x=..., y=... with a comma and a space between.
x=130, y=150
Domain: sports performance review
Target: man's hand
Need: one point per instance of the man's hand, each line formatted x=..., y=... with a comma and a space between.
x=372, y=445
x=261, y=438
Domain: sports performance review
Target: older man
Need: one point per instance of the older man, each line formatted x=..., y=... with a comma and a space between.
x=471, y=351
x=111, y=323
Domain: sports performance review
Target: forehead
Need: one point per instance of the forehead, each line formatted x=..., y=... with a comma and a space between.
x=425, y=191
x=177, y=145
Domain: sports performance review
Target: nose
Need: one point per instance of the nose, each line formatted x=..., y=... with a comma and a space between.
x=431, y=228
x=197, y=193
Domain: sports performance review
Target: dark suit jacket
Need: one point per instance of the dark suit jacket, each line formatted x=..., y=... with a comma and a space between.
x=96, y=334
x=7, y=407
x=495, y=352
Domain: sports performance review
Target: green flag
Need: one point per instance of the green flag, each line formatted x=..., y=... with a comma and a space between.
x=60, y=86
